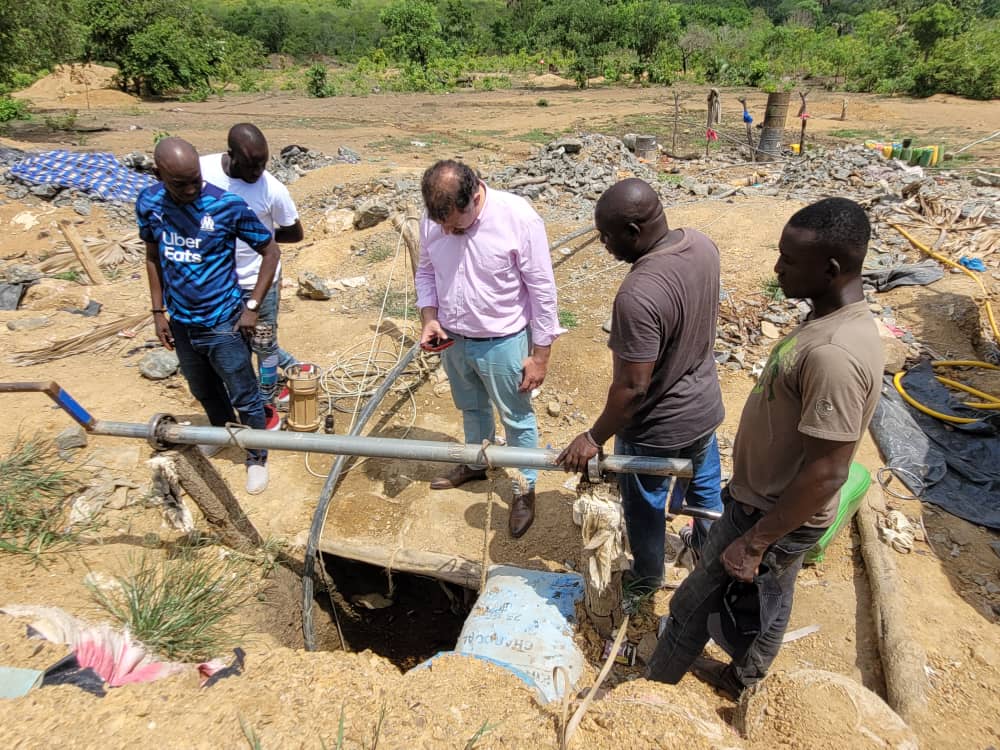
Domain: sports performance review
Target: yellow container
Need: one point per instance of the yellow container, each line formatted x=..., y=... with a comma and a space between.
x=795, y=148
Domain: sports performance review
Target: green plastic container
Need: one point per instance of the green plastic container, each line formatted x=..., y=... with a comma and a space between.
x=851, y=493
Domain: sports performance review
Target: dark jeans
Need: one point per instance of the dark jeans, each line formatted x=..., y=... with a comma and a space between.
x=702, y=593
x=644, y=500
x=217, y=366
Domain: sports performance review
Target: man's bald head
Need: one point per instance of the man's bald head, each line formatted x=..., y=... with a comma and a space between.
x=178, y=168
x=630, y=218
x=173, y=153
x=247, y=153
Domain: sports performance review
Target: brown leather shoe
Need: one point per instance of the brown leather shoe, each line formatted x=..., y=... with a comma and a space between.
x=457, y=477
x=522, y=514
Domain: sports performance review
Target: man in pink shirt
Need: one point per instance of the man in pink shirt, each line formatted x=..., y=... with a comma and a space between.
x=485, y=282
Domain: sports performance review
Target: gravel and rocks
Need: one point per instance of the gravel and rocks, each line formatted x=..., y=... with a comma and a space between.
x=295, y=161
x=159, y=364
x=581, y=167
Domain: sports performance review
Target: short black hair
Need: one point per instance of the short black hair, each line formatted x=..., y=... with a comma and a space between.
x=448, y=185
x=841, y=226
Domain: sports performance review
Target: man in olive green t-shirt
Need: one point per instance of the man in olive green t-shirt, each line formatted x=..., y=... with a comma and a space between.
x=798, y=434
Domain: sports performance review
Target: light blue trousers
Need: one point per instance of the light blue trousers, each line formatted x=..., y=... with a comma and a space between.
x=484, y=374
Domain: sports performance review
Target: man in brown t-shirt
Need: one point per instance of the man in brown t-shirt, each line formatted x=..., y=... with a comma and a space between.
x=664, y=398
x=797, y=437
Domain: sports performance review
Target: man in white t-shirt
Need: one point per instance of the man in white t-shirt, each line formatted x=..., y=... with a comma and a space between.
x=242, y=170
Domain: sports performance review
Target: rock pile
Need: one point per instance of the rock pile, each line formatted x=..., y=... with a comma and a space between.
x=295, y=161
x=866, y=176
x=583, y=167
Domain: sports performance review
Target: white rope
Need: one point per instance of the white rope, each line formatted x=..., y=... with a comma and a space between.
x=358, y=376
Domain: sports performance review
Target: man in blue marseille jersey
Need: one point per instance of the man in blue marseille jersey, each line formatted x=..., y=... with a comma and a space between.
x=190, y=229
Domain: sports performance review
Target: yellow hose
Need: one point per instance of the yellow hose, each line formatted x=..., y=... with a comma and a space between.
x=989, y=401
x=897, y=381
x=949, y=262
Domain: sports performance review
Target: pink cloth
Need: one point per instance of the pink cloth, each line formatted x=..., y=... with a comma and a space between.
x=494, y=279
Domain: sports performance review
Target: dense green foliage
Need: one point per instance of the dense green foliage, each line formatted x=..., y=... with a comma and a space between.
x=908, y=46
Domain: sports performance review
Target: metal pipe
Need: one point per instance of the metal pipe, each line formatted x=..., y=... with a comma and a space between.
x=53, y=390
x=326, y=497
x=163, y=430
x=379, y=447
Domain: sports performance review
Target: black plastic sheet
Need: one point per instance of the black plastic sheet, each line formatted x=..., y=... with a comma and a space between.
x=957, y=467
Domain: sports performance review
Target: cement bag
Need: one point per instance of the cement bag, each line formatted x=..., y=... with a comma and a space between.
x=524, y=621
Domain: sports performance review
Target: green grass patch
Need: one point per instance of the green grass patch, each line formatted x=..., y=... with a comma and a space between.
x=771, y=289
x=567, y=319
x=860, y=135
x=538, y=135
x=13, y=109
x=398, y=304
x=72, y=274
x=379, y=253
x=480, y=734
x=180, y=608
x=407, y=143
x=33, y=502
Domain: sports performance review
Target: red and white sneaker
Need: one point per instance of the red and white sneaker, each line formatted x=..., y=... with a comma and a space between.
x=284, y=395
x=272, y=420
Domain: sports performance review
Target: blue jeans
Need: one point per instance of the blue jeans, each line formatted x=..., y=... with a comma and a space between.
x=644, y=500
x=701, y=596
x=217, y=365
x=268, y=313
x=484, y=374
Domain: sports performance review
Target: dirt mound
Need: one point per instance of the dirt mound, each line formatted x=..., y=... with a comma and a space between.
x=81, y=86
x=288, y=699
x=100, y=99
x=549, y=81
x=811, y=708
x=641, y=714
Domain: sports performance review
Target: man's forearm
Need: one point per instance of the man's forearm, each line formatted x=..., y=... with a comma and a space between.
x=428, y=314
x=618, y=410
x=265, y=277
x=154, y=275
x=289, y=234
x=541, y=353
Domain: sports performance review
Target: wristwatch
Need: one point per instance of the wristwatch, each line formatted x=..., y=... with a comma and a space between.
x=252, y=305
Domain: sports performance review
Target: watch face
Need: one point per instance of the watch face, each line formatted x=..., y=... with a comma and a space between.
x=252, y=305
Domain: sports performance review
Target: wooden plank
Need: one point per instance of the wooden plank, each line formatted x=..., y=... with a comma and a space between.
x=445, y=567
x=83, y=255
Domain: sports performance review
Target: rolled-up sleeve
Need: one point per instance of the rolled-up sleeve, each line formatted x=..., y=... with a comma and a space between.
x=535, y=266
x=423, y=279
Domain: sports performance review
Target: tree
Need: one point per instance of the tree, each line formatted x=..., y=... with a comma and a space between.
x=458, y=26
x=159, y=45
x=269, y=23
x=413, y=30
x=35, y=34
x=932, y=23
x=654, y=23
x=694, y=40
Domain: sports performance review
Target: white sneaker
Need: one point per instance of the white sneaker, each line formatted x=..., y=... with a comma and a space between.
x=210, y=450
x=257, y=477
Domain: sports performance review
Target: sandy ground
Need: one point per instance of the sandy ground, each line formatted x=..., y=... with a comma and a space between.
x=293, y=699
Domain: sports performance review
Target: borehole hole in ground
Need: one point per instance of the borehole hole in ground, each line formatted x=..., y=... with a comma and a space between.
x=408, y=622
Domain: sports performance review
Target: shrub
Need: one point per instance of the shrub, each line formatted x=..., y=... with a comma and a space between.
x=13, y=109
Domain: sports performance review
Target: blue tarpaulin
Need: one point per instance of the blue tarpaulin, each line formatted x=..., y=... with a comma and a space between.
x=101, y=174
